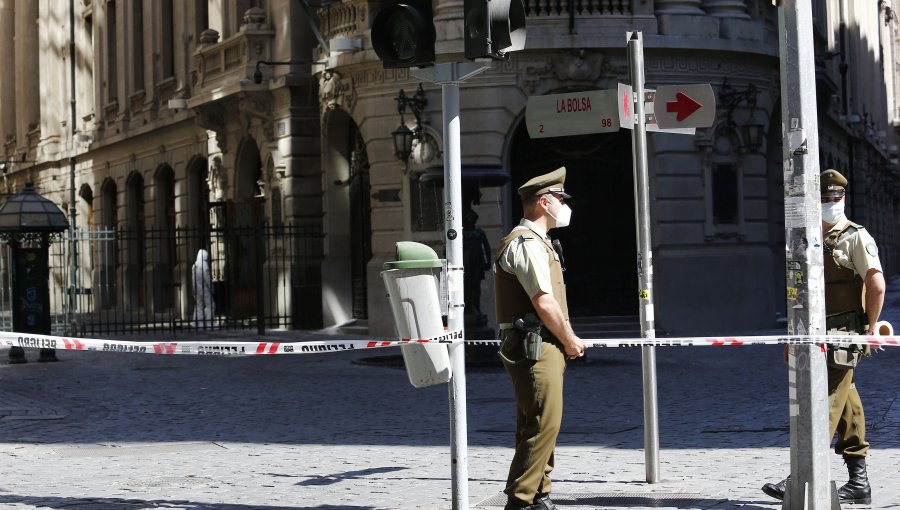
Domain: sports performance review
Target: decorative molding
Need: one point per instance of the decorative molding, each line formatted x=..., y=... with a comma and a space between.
x=257, y=106
x=212, y=117
x=216, y=179
x=576, y=69
x=336, y=92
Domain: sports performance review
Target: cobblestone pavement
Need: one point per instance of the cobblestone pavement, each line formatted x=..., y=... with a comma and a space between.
x=111, y=431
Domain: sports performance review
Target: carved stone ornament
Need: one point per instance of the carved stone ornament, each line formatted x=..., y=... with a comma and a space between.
x=255, y=16
x=577, y=69
x=212, y=117
x=209, y=36
x=335, y=92
x=259, y=107
x=216, y=178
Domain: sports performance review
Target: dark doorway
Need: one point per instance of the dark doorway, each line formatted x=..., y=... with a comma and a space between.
x=599, y=246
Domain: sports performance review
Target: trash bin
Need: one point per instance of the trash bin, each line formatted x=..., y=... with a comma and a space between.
x=414, y=284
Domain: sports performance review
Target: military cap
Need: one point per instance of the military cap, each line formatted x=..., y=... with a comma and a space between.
x=832, y=180
x=546, y=183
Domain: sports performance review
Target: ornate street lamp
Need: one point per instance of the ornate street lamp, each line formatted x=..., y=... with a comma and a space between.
x=403, y=136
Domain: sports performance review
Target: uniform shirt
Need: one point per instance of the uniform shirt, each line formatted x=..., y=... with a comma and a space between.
x=856, y=251
x=527, y=259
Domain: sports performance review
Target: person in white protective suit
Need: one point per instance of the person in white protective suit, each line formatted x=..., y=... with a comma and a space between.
x=201, y=278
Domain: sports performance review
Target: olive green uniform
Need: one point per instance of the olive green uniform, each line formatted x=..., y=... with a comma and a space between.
x=524, y=265
x=850, y=254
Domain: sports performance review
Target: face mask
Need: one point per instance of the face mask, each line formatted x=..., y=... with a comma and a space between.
x=832, y=212
x=563, y=216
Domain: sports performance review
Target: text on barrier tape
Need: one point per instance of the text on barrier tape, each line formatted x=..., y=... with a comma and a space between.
x=333, y=345
x=212, y=348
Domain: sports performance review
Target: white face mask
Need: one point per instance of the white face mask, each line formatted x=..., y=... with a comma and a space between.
x=832, y=212
x=563, y=216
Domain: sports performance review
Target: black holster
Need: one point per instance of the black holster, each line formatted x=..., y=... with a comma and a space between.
x=846, y=356
x=522, y=341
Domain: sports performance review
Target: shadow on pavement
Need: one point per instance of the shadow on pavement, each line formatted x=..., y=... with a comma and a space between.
x=347, y=475
x=141, y=504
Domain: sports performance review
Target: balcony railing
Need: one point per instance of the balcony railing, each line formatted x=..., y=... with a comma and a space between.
x=221, y=66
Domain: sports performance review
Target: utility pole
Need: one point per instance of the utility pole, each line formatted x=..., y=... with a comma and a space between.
x=449, y=75
x=810, y=486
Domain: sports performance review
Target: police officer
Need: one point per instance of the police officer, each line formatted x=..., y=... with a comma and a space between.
x=536, y=337
x=854, y=295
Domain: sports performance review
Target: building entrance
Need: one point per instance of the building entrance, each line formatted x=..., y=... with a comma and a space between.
x=599, y=247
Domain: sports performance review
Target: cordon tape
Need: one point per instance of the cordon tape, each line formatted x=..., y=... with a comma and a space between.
x=203, y=347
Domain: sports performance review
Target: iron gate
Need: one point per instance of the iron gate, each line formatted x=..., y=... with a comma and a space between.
x=263, y=277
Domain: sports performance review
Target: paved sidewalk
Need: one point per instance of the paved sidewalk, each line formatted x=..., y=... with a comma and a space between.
x=105, y=431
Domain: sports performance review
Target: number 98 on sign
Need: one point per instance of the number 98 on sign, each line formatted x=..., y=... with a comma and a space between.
x=577, y=113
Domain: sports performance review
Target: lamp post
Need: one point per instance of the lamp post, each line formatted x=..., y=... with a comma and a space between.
x=257, y=74
x=73, y=254
x=403, y=136
x=752, y=131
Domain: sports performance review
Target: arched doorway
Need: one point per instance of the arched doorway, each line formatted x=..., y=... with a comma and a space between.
x=163, y=249
x=348, y=227
x=85, y=255
x=109, y=221
x=244, y=219
x=599, y=246
x=197, y=206
x=134, y=237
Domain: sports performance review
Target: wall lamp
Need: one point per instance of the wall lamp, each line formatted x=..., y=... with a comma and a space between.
x=403, y=136
x=752, y=131
x=257, y=74
x=5, y=164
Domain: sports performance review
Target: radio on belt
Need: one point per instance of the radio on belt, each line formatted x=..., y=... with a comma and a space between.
x=417, y=288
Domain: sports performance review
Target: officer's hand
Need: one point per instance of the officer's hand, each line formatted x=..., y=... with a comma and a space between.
x=575, y=349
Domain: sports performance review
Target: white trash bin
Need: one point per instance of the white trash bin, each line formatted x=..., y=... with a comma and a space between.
x=413, y=284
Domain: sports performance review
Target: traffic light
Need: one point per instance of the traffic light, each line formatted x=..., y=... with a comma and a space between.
x=493, y=27
x=403, y=34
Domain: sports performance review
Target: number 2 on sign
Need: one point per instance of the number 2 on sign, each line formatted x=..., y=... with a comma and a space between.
x=541, y=128
x=606, y=122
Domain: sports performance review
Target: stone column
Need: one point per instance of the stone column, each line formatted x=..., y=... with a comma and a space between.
x=216, y=15
x=679, y=7
x=7, y=61
x=28, y=107
x=726, y=8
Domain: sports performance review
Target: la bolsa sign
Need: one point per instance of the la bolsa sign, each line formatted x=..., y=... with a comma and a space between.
x=577, y=113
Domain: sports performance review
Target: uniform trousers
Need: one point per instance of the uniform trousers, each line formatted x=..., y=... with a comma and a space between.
x=846, y=415
x=539, y=404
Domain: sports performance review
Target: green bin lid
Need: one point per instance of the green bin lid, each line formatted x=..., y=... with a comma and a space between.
x=412, y=255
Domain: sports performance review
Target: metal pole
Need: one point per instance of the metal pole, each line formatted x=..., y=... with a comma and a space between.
x=810, y=486
x=73, y=264
x=449, y=75
x=645, y=257
x=453, y=224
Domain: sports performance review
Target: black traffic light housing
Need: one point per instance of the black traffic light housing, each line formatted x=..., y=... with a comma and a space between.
x=403, y=34
x=493, y=28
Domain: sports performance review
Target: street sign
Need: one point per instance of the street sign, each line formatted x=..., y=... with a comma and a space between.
x=576, y=113
x=685, y=106
x=625, y=100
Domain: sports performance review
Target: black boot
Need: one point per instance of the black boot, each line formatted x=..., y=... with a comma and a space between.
x=857, y=490
x=776, y=490
x=543, y=502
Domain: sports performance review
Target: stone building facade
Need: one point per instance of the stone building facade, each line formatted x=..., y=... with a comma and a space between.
x=170, y=119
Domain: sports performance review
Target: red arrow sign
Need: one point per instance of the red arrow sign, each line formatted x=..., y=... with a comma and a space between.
x=683, y=106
